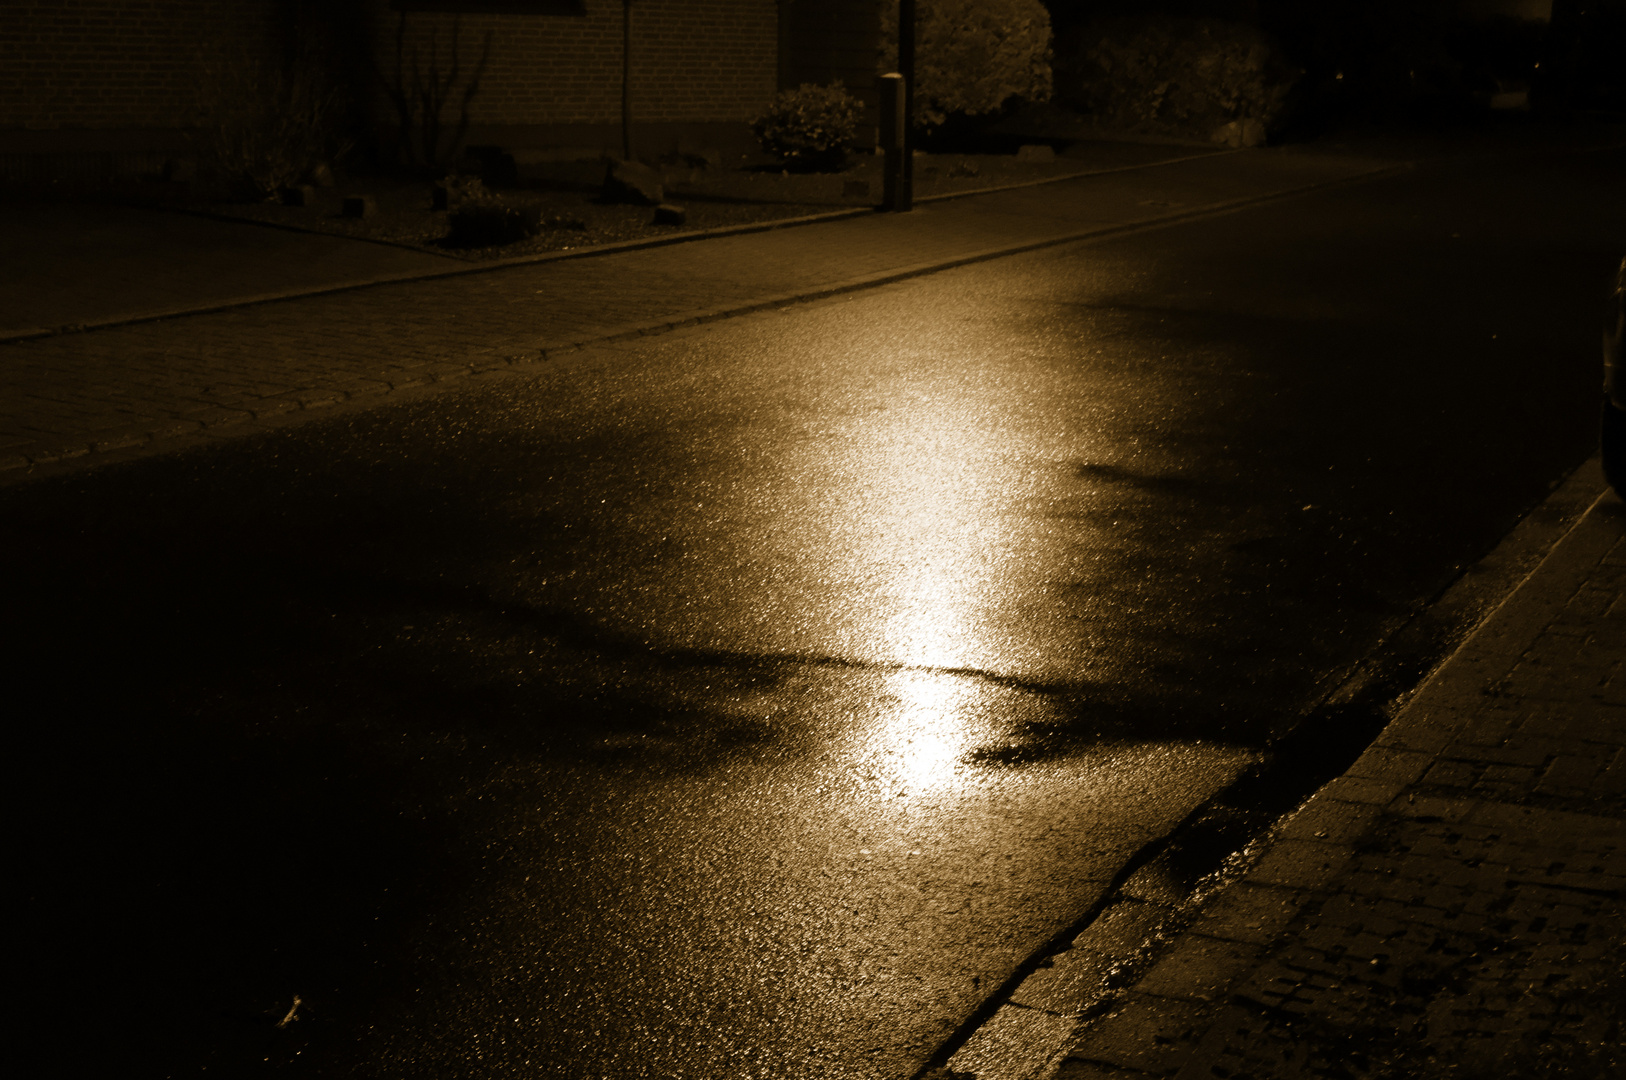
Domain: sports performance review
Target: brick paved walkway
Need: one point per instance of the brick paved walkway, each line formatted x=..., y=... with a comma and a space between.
x=151, y=386
x=1454, y=905
x=75, y=263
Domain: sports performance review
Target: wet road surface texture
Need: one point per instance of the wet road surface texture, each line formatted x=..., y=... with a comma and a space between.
x=751, y=701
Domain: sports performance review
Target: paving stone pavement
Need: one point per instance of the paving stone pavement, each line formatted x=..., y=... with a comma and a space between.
x=67, y=263
x=150, y=386
x=1453, y=906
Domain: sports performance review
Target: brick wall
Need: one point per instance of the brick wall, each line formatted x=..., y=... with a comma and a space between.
x=823, y=41
x=126, y=76
x=693, y=60
x=117, y=63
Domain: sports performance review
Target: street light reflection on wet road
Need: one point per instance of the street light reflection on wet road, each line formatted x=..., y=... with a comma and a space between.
x=752, y=700
x=928, y=528
x=920, y=744
x=848, y=548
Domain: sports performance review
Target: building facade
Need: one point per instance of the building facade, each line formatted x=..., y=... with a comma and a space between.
x=92, y=86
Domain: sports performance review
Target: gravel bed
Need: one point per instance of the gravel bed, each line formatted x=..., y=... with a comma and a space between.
x=724, y=194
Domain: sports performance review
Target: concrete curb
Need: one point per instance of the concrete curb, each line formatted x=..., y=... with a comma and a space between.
x=118, y=445
x=35, y=333
x=888, y=277
x=464, y=269
x=1073, y=1018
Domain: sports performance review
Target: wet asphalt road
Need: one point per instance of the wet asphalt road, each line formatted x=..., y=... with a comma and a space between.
x=750, y=701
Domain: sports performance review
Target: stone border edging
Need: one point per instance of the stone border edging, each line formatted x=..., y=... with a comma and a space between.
x=35, y=333
x=947, y=195
x=8, y=337
x=123, y=445
x=1225, y=937
x=888, y=277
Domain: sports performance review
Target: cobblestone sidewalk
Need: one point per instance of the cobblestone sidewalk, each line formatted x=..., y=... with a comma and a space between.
x=1451, y=907
x=74, y=398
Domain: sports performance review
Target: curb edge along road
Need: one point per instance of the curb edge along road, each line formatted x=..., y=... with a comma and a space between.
x=34, y=333
x=1012, y=1041
x=141, y=444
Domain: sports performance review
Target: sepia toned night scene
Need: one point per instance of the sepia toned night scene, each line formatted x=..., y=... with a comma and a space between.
x=814, y=539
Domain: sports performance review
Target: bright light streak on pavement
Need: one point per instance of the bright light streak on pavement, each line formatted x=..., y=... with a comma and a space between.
x=751, y=701
x=919, y=746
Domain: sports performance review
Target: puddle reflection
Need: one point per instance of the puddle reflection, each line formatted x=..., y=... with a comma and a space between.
x=919, y=744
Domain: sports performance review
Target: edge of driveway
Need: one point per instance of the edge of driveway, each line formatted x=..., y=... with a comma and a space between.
x=143, y=441
x=494, y=265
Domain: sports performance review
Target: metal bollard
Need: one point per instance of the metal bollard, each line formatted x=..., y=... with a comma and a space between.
x=897, y=195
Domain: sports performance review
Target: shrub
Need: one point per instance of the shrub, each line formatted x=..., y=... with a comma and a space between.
x=1174, y=75
x=488, y=221
x=264, y=127
x=482, y=220
x=809, y=128
x=972, y=56
x=461, y=188
x=422, y=91
x=488, y=224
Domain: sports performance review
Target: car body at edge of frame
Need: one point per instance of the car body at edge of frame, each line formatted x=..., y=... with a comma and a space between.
x=1612, y=436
